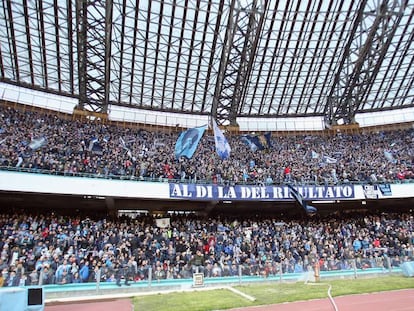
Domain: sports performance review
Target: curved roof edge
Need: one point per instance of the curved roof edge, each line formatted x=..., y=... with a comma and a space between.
x=25, y=96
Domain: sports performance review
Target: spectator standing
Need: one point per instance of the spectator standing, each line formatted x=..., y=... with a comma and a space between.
x=84, y=272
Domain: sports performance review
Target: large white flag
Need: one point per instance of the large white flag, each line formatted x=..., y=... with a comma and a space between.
x=222, y=146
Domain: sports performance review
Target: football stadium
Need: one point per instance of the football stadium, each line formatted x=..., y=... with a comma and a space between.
x=206, y=155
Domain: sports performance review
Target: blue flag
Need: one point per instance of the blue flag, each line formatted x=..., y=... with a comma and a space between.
x=329, y=160
x=37, y=143
x=257, y=142
x=388, y=155
x=188, y=141
x=222, y=146
x=299, y=199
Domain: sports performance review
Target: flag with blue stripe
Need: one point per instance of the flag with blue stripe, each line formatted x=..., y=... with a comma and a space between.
x=188, y=141
x=223, y=148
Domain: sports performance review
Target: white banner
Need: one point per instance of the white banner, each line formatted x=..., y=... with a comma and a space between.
x=162, y=222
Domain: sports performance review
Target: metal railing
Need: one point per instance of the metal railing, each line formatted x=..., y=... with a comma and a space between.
x=172, y=180
x=156, y=275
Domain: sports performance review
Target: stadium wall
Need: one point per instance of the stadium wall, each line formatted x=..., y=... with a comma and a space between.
x=101, y=187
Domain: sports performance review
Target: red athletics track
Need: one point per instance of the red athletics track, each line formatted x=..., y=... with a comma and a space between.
x=401, y=300
x=102, y=305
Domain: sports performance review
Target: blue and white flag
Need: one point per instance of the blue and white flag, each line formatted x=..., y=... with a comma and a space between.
x=329, y=160
x=122, y=143
x=222, y=146
x=188, y=141
x=92, y=143
x=309, y=209
x=248, y=140
x=37, y=143
x=315, y=155
x=388, y=155
x=222, y=228
x=257, y=142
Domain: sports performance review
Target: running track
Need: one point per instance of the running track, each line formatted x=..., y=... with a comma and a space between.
x=401, y=300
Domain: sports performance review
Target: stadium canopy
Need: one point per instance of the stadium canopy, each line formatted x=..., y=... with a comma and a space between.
x=225, y=59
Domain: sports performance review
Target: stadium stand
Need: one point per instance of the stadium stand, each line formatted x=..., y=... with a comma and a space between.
x=63, y=247
x=114, y=168
x=46, y=142
x=57, y=249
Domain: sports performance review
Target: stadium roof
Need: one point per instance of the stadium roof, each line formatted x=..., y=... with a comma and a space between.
x=227, y=59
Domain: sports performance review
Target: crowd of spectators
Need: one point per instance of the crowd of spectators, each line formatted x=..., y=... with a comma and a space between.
x=56, y=249
x=38, y=141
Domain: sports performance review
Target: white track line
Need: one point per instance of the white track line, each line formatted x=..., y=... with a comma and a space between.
x=329, y=292
x=248, y=297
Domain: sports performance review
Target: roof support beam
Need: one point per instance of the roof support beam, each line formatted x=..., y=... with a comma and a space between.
x=372, y=36
x=240, y=44
x=29, y=43
x=94, y=19
x=12, y=40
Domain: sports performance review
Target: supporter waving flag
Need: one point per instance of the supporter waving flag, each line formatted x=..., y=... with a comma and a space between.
x=222, y=146
x=188, y=141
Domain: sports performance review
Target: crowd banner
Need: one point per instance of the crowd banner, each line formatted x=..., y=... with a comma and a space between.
x=173, y=189
x=258, y=193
